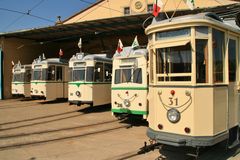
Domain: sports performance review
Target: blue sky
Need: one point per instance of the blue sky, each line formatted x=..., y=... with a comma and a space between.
x=47, y=9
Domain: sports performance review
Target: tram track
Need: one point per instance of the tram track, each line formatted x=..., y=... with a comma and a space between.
x=23, y=104
x=54, y=130
x=38, y=123
x=20, y=106
x=37, y=118
x=72, y=135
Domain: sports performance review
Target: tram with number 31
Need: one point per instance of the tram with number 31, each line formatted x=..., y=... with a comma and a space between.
x=194, y=84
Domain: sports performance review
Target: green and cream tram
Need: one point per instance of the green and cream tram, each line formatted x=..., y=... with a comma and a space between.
x=129, y=85
x=90, y=79
x=21, y=80
x=49, y=78
x=194, y=81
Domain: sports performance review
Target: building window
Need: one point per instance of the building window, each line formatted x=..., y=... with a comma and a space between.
x=126, y=11
x=150, y=8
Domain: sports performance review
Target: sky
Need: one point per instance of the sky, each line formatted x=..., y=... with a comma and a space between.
x=44, y=12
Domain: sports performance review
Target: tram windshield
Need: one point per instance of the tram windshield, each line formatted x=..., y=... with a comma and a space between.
x=18, y=77
x=44, y=74
x=37, y=74
x=174, y=63
x=82, y=74
x=128, y=75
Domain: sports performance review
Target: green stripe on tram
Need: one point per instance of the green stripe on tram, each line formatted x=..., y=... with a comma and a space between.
x=129, y=88
x=16, y=83
x=122, y=110
x=80, y=83
x=45, y=82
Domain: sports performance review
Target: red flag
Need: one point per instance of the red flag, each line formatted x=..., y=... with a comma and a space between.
x=60, y=52
x=120, y=46
x=157, y=5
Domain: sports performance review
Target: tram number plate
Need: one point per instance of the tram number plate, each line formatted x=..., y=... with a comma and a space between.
x=173, y=101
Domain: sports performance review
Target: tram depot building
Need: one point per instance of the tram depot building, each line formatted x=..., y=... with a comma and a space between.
x=100, y=26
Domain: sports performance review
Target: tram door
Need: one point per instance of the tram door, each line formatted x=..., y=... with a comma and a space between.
x=60, y=83
x=233, y=89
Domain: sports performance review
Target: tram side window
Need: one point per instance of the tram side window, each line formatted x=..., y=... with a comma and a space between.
x=137, y=77
x=99, y=72
x=90, y=75
x=117, y=76
x=108, y=72
x=202, y=60
x=59, y=73
x=51, y=73
x=70, y=73
x=218, y=56
x=232, y=60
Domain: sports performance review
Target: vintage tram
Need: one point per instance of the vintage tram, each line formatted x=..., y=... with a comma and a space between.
x=21, y=77
x=49, y=78
x=129, y=85
x=90, y=79
x=194, y=81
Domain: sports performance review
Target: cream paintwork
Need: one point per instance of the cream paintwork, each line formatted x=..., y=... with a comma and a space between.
x=136, y=93
x=21, y=88
x=97, y=93
x=51, y=90
x=214, y=108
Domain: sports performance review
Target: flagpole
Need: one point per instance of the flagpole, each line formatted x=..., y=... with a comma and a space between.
x=175, y=10
x=163, y=9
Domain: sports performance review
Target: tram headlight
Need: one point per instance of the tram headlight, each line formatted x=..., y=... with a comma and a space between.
x=173, y=115
x=78, y=93
x=126, y=102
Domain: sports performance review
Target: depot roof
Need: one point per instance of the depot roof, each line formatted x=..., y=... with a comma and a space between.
x=109, y=26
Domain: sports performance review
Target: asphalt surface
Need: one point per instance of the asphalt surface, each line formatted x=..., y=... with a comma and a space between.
x=39, y=130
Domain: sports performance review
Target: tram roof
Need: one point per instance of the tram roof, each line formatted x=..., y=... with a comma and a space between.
x=88, y=56
x=200, y=16
x=100, y=57
x=129, y=51
x=108, y=26
x=50, y=61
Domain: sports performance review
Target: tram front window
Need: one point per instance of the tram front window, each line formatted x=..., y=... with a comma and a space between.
x=128, y=75
x=174, y=63
x=78, y=75
x=36, y=74
x=18, y=77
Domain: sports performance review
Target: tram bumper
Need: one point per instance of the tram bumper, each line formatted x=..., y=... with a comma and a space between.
x=182, y=140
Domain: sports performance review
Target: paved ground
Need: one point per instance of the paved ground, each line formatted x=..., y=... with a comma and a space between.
x=33, y=130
